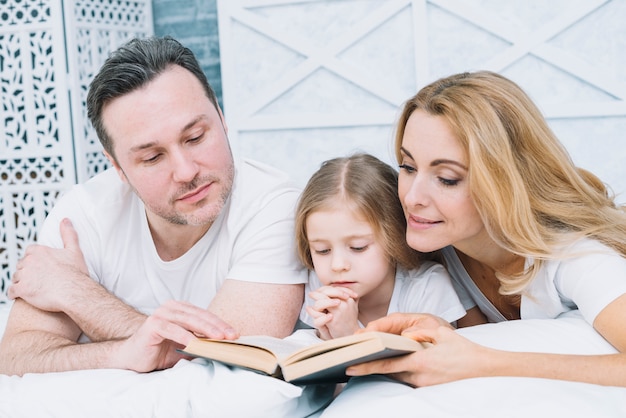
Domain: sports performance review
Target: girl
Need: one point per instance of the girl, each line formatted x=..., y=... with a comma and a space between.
x=350, y=232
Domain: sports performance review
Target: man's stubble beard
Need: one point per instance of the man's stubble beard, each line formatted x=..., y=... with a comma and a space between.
x=175, y=218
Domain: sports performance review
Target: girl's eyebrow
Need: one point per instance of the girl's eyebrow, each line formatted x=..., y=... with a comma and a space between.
x=436, y=162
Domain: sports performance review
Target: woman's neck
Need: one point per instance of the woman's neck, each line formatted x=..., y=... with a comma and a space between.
x=483, y=264
x=486, y=252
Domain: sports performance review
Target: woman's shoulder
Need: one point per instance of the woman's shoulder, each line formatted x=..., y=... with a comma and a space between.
x=583, y=247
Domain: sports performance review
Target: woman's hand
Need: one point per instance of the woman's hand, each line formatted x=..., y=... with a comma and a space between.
x=401, y=323
x=335, y=311
x=451, y=357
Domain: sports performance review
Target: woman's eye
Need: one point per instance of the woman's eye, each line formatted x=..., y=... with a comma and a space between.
x=448, y=182
x=407, y=168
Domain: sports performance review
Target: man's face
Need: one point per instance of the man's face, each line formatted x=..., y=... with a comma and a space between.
x=171, y=147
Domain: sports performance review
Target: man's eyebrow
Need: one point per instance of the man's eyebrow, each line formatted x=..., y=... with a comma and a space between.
x=153, y=143
x=438, y=161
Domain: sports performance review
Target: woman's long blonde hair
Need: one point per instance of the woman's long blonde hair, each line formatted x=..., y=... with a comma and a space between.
x=530, y=196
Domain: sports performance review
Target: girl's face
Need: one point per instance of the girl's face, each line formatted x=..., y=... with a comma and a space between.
x=345, y=251
x=434, y=189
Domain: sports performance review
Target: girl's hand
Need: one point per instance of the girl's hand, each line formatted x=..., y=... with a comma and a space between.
x=335, y=311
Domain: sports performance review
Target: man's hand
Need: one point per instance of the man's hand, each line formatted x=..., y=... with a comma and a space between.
x=45, y=276
x=172, y=326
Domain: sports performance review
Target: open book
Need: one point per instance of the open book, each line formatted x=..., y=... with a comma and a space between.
x=301, y=362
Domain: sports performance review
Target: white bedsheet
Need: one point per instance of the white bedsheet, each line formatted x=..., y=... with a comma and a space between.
x=190, y=389
x=496, y=397
x=195, y=388
x=204, y=389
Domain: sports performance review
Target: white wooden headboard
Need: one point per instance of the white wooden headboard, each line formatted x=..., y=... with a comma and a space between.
x=307, y=80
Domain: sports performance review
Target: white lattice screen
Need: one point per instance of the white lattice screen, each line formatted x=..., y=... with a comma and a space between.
x=307, y=80
x=49, y=51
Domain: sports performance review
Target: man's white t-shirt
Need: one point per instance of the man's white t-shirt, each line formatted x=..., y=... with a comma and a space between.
x=591, y=277
x=252, y=240
x=427, y=289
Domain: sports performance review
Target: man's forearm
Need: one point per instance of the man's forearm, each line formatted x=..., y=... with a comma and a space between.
x=42, y=352
x=100, y=314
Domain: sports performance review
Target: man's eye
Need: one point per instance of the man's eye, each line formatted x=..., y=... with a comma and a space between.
x=152, y=159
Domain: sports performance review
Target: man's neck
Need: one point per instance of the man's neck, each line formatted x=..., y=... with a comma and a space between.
x=172, y=241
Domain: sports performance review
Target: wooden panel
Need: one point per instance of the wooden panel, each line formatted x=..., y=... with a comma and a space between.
x=308, y=80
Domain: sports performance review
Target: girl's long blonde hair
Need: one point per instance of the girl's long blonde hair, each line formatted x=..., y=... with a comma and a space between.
x=369, y=187
x=530, y=195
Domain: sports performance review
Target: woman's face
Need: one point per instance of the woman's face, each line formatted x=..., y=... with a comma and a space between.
x=433, y=187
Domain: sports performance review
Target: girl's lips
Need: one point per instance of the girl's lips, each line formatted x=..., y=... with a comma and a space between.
x=343, y=284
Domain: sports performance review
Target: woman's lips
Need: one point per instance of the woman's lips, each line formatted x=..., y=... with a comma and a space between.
x=417, y=222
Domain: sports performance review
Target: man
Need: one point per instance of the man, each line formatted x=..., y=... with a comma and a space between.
x=175, y=240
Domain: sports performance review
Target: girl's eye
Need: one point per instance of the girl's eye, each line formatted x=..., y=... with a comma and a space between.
x=448, y=182
x=196, y=139
x=322, y=252
x=407, y=168
x=359, y=249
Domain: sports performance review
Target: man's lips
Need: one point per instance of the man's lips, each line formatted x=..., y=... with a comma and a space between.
x=196, y=195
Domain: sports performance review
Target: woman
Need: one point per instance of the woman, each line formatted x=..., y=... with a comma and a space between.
x=524, y=233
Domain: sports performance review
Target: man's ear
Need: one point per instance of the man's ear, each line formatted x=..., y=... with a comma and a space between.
x=117, y=167
x=223, y=120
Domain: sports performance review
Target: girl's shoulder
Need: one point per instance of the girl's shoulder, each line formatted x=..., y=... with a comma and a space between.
x=426, y=269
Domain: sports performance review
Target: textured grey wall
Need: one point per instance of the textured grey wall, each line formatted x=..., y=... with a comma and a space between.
x=194, y=23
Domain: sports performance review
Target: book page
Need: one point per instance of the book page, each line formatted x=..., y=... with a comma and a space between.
x=279, y=347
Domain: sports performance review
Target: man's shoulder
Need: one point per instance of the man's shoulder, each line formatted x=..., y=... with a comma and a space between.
x=257, y=172
x=257, y=181
x=103, y=183
x=101, y=193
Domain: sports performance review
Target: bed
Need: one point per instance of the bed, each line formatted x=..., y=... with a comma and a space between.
x=203, y=389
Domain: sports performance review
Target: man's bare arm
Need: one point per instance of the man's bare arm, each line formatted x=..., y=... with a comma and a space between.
x=37, y=341
x=259, y=308
x=57, y=280
x=30, y=336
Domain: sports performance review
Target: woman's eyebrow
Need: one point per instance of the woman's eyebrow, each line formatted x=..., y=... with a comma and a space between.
x=438, y=161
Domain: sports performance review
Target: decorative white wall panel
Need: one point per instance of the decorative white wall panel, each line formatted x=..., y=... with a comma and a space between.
x=49, y=51
x=308, y=80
